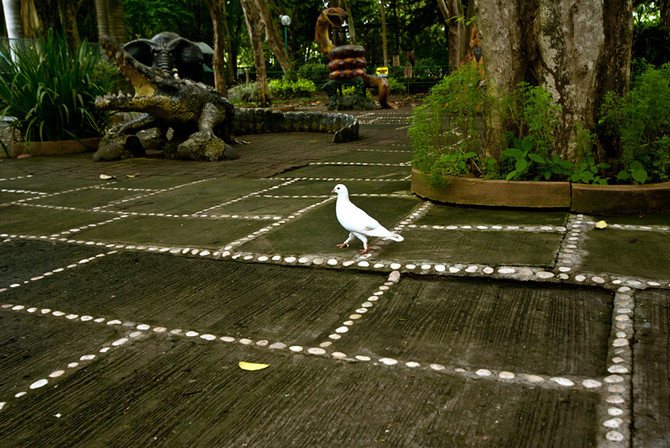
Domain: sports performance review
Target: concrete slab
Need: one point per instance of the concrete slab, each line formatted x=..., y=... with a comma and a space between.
x=504, y=326
x=356, y=188
x=651, y=378
x=444, y=215
x=628, y=252
x=49, y=184
x=194, y=196
x=348, y=172
x=458, y=246
x=86, y=199
x=172, y=231
x=291, y=305
x=373, y=156
x=34, y=346
x=318, y=231
x=173, y=392
x=44, y=221
x=22, y=260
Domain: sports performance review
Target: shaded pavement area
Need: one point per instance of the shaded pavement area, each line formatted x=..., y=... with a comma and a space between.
x=127, y=304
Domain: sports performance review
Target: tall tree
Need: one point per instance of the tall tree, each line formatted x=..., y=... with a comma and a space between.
x=272, y=36
x=452, y=11
x=385, y=50
x=219, y=24
x=577, y=50
x=111, y=20
x=252, y=17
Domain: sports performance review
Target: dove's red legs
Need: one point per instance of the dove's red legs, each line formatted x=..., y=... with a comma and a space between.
x=343, y=245
x=365, y=251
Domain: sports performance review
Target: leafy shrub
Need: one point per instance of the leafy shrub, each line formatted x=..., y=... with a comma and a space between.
x=284, y=89
x=444, y=133
x=51, y=93
x=641, y=122
x=314, y=71
x=528, y=165
x=533, y=112
x=396, y=85
x=243, y=93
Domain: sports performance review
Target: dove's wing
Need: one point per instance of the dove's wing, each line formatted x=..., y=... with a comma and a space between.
x=354, y=219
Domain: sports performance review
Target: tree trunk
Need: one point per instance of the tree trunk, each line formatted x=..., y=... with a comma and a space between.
x=67, y=10
x=102, y=18
x=501, y=41
x=111, y=19
x=272, y=37
x=385, y=51
x=346, y=5
x=218, y=60
x=455, y=30
x=116, y=20
x=232, y=56
x=664, y=6
x=255, y=28
x=577, y=50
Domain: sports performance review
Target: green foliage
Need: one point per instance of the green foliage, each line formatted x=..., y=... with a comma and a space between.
x=285, y=89
x=246, y=93
x=641, y=122
x=314, y=71
x=533, y=112
x=396, y=86
x=444, y=134
x=524, y=164
x=51, y=93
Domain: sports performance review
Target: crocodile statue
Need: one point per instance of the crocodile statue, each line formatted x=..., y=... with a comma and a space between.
x=202, y=121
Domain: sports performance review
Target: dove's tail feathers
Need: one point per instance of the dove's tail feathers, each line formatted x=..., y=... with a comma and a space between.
x=396, y=237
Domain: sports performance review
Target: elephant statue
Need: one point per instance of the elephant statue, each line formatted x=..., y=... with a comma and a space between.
x=170, y=52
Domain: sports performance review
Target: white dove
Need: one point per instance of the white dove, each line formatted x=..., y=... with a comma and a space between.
x=359, y=224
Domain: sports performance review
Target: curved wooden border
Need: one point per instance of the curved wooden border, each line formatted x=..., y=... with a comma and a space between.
x=582, y=198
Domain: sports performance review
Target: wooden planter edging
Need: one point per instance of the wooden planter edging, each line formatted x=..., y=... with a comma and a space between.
x=582, y=198
x=50, y=148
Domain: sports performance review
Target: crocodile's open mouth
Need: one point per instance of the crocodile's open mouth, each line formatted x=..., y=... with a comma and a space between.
x=132, y=69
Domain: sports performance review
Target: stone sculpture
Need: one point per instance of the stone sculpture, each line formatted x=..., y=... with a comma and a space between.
x=202, y=121
x=347, y=65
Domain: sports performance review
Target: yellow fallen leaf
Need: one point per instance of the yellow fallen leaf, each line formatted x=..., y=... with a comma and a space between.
x=252, y=366
x=601, y=225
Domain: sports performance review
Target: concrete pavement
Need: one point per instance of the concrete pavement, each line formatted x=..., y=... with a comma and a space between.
x=126, y=305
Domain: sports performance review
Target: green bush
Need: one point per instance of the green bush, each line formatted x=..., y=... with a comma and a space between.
x=396, y=85
x=245, y=93
x=641, y=123
x=51, y=93
x=444, y=133
x=314, y=71
x=284, y=89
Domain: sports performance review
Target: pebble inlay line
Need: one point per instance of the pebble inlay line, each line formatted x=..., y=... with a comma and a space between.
x=246, y=196
x=393, y=278
x=25, y=201
x=50, y=273
x=616, y=411
x=152, y=193
x=88, y=357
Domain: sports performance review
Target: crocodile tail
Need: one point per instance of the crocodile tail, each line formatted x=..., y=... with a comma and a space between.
x=261, y=120
x=382, y=86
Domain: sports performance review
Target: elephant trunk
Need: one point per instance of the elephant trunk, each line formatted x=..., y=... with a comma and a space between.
x=164, y=61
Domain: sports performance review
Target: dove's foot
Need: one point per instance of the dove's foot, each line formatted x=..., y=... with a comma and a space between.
x=365, y=251
x=343, y=245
